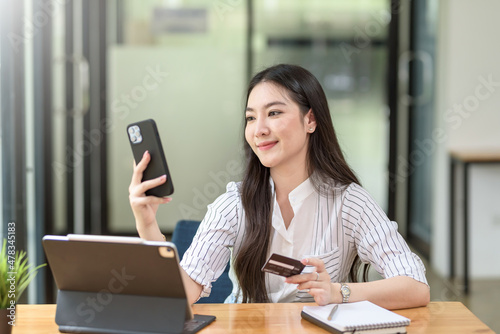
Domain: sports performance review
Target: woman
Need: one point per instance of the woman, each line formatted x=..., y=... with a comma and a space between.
x=298, y=198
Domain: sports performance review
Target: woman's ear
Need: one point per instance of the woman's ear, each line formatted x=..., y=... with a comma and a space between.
x=310, y=121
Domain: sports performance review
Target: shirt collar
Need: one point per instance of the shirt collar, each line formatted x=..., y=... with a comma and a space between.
x=300, y=193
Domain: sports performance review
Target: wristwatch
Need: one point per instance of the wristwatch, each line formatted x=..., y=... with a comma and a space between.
x=345, y=291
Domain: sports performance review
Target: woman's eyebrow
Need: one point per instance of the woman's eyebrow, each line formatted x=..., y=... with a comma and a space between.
x=268, y=105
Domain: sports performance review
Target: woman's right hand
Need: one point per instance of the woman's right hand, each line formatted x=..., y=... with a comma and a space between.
x=145, y=207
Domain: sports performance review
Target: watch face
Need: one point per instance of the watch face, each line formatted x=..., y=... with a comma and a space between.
x=345, y=290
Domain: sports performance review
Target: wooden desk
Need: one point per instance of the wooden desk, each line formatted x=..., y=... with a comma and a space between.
x=466, y=158
x=437, y=317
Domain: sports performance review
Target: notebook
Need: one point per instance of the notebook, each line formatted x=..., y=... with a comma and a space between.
x=360, y=317
x=119, y=285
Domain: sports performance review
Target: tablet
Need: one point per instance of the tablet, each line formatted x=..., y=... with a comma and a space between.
x=109, y=284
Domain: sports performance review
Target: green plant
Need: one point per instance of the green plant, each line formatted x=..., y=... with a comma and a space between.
x=15, y=274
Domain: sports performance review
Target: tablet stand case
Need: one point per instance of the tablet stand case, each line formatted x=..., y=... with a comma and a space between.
x=137, y=297
x=127, y=314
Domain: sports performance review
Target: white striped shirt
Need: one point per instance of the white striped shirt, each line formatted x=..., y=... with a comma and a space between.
x=333, y=226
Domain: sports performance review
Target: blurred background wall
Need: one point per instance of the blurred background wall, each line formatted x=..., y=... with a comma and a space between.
x=74, y=73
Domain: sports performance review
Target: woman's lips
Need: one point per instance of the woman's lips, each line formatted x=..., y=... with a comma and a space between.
x=266, y=145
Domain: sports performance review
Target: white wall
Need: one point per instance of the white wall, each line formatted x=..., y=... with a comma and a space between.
x=468, y=114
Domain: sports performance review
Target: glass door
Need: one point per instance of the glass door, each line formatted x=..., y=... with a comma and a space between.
x=76, y=75
x=421, y=124
x=78, y=71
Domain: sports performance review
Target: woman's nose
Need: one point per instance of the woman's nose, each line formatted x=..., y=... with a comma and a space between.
x=261, y=127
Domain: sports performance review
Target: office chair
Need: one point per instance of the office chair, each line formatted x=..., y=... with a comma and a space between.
x=182, y=237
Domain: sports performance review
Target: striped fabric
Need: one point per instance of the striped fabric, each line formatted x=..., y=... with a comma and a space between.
x=333, y=226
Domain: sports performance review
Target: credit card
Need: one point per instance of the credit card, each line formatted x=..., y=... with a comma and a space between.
x=283, y=265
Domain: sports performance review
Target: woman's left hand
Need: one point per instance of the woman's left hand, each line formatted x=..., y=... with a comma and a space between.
x=318, y=282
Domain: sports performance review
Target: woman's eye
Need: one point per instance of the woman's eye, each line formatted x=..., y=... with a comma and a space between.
x=274, y=113
x=249, y=118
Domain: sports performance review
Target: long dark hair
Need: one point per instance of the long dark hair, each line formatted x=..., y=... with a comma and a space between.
x=324, y=158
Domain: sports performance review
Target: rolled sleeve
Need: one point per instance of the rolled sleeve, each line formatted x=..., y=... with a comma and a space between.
x=210, y=251
x=377, y=238
x=389, y=253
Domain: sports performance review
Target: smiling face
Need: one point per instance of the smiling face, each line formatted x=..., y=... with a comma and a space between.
x=276, y=129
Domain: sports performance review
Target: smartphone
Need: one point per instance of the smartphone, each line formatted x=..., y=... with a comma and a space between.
x=143, y=136
x=282, y=265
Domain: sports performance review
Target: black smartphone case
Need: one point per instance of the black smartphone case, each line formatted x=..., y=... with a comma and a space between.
x=158, y=165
